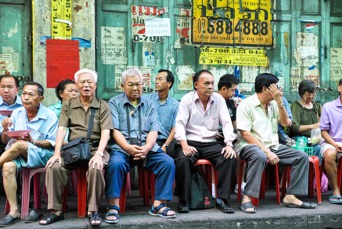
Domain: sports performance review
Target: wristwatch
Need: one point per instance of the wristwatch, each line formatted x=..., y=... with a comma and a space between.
x=99, y=153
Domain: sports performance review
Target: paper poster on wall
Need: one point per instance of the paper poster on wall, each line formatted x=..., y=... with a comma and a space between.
x=139, y=15
x=336, y=64
x=149, y=54
x=218, y=72
x=311, y=74
x=233, y=56
x=157, y=27
x=62, y=61
x=184, y=74
x=113, y=45
x=118, y=70
x=183, y=29
x=295, y=77
x=6, y=65
x=306, y=53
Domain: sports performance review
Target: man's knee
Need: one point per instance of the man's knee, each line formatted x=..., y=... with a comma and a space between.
x=20, y=146
x=330, y=156
x=9, y=168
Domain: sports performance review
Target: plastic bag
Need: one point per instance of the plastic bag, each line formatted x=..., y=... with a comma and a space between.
x=316, y=136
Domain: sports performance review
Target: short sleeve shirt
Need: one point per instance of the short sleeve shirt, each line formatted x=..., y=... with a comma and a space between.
x=74, y=117
x=251, y=116
x=331, y=119
x=120, y=106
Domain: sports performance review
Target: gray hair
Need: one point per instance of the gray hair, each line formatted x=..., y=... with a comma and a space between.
x=131, y=72
x=83, y=71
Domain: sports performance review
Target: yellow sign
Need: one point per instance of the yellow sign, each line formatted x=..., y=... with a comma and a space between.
x=61, y=19
x=233, y=56
x=234, y=22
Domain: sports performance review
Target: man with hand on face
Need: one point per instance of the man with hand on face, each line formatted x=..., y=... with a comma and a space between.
x=257, y=120
x=135, y=133
x=167, y=108
x=199, y=115
x=31, y=150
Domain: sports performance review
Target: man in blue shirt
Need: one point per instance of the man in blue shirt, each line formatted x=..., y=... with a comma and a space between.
x=9, y=99
x=135, y=133
x=29, y=150
x=167, y=110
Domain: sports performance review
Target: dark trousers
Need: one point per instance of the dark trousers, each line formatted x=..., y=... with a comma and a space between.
x=186, y=165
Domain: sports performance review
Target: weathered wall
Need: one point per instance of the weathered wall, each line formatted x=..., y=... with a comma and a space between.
x=83, y=23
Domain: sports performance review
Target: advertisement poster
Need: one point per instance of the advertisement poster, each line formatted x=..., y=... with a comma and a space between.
x=233, y=56
x=335, y=64
x=235, y=22
x=113, y=45
x=61, y=19
x=139, y=16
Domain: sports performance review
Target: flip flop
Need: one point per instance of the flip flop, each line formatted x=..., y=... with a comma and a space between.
x=305, y=205
x=245, y=206
x=335, y=199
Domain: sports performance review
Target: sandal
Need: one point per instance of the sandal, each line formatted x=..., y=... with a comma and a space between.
x=52, y=218
x=247, y=205
x=155, y=211
x=108, y=216
x=335, y=199
x=93, y=217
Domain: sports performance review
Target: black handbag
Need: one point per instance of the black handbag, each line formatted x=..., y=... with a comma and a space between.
x=200, y=197
x=76, y=153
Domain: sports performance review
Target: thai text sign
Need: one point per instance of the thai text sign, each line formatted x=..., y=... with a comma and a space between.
x=233, y=56
x=61, y=19
x=235, y=22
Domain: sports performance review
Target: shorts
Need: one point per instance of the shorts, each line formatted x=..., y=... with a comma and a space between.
x=326, y=146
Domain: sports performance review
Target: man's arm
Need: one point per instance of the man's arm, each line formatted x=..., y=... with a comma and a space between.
x=61, y=132
x=330, y=140
x=169, y=139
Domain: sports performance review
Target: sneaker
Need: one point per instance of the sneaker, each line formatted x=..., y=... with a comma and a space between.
x=242, y=187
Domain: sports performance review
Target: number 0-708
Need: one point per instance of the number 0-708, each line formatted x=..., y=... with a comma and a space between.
x=226, y=26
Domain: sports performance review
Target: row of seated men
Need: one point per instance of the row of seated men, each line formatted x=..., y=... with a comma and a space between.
x=142, y=130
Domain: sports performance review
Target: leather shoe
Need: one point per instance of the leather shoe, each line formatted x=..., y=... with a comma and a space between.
x=183, y=207
x=32, y=216
x=224, y=207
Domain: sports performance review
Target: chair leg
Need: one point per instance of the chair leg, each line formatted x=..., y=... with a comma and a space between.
x=240, y=180
x=314, y=160
x=25, y=198
x=123, y=194
x=276, y=172
x=82, y=193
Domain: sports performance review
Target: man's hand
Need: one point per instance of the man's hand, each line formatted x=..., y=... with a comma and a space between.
x=55, y=157
x=228, y=152
x=188, y=150
x=6, y=123
x=272, y=157
x=338, y=147
x=96, y=160
x=275, y=92
x=133, y=149
x=143, y=151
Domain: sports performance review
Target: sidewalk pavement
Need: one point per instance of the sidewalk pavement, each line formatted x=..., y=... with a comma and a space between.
x=269, y=215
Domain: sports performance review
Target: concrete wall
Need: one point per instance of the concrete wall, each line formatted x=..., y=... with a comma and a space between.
x=83, y=22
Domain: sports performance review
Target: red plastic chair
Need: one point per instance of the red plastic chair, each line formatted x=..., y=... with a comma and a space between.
x=314, y=171
x=146, y=187
x=255, y=201
x=27, y=174
x=339, y=173
x=212, y=177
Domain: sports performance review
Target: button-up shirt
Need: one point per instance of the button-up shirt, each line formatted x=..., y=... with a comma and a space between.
x=196, y=124
x=43, y=126
x=331, y=119
x=251, y=116
x=167, y=112
x=120, y=105
x=4, y=106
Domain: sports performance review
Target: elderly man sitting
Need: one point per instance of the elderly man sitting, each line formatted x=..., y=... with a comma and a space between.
x=31, y=150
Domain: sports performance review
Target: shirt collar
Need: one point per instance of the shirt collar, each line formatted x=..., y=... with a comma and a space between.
x=338, y=102
x=197, y=98
x=126, y=100
x=17, y=101
x=95, y=103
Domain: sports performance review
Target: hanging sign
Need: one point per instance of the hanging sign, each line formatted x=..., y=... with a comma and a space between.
x=234, y=22
x=233, y=56
x=61, y=19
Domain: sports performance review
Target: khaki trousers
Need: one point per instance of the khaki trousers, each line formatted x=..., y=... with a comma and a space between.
x=57, y=177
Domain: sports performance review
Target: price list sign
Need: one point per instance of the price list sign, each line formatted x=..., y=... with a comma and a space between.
x=233, y=22
x=233, y=56
x=61, y=19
